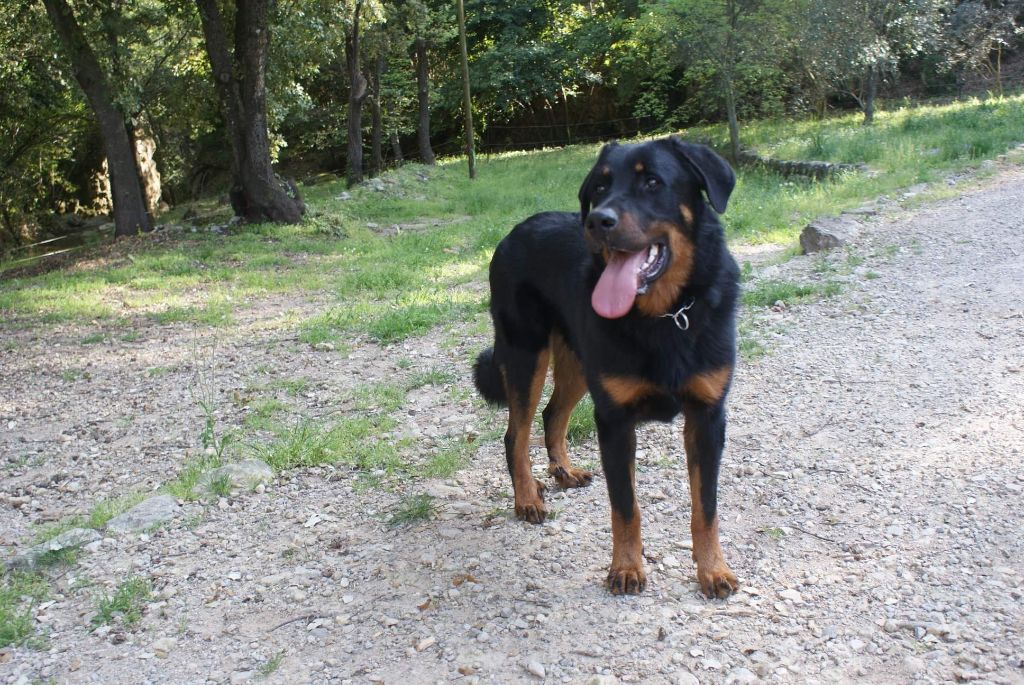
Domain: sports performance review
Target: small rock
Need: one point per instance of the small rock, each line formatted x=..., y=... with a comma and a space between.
x=241, y=677
x=913, y=665
x=145, y=515
x=603, y=680
x=239, y=475
x=535, y=667
x=425, y=643
x=685, y=678
x=741, y=676
x=792, y=595
x=69, y=539
x=162, y=647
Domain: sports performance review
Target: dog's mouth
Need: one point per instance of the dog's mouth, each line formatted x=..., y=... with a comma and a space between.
x=626, y=275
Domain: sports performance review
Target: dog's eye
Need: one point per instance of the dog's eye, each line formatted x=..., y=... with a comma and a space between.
x=652, y=182
x=599, y=189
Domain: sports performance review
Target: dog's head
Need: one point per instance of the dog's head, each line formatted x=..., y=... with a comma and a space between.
x=642, y=206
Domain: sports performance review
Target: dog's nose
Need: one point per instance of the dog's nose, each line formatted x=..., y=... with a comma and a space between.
x=601, y=221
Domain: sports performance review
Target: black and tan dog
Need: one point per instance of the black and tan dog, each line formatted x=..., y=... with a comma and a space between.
x=634, y=300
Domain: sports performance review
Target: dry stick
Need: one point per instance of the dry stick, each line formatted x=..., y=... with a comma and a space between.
x=813, y=535
x=304, y=617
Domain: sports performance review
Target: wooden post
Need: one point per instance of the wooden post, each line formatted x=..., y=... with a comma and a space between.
x=467, y=102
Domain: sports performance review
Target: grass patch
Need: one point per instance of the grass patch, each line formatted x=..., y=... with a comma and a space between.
x=448, y=459
x=216, y=312
x=766, y=293
x=749, y=344
x=98, y=516
x=403, y=283
x=270, y=665
x=582, y=426
x=413, y=509
x=356, y=440
x=125, y=605
x=262, y=412
x=19, y=595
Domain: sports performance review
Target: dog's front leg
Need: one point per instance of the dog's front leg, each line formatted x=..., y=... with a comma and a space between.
x=704, y=437
x=617, y=439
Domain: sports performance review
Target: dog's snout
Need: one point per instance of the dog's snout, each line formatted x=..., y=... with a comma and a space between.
x=601, y=221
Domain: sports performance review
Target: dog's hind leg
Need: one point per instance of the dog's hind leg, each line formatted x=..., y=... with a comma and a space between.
x=570, y=386
x=523, y=374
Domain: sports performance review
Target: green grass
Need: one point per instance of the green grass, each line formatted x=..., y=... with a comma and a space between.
x=358, y=441
x=581, y=424
x=98, y=516
x=412, y=509
x=262, y=414
x=19, y=595
x=448, y=459
x=184, y=485
x=124, y=605
x=271, y=664
x=767, y=293
x=390, y=287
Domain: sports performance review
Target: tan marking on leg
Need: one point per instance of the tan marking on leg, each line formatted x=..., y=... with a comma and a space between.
x=626, y=575
x=713, y=574
x=570, y=386
x=626, y=390
x=529, y=497
x=664, y=292
x=709, y=387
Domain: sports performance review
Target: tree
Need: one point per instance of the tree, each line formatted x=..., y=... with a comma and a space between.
x=720, y=43
x=130, y=213
x=979, y=34
x=856, y=43
x=240, y=80
x=356, y=95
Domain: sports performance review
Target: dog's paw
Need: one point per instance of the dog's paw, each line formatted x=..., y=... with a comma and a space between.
x=530, y=507
x=570, y=477
x=626, y=581
x=717, y=582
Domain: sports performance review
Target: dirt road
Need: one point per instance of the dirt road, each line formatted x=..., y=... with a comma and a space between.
x=871, y=501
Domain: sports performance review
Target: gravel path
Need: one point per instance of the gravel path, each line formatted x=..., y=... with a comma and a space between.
x=871, y=500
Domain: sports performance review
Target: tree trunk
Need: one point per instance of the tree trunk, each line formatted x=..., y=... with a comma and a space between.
x=423, y=93
x=257, y=194
x=730, y=110
x=467, y=100
x=377, y=126
x=729, y=90
x=870, y=90
x=356, y=95
x=130, y=215
x=396, y=147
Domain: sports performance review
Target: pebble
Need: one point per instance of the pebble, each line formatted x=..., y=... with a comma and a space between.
x=792, y=595
x=535, y=667
x=162, y=647
x=685, y=678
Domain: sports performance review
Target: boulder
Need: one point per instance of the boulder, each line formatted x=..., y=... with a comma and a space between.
x=827, y=233
x=145, y=515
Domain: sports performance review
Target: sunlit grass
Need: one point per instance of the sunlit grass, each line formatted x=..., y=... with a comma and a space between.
x=393, y=284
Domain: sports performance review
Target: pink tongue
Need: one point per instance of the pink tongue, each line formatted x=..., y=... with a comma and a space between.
x=616, y=289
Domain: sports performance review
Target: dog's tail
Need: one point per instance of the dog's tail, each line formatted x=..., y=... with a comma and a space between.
x=487, y=377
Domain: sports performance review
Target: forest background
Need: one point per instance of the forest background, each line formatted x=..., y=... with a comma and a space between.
x=351, y=88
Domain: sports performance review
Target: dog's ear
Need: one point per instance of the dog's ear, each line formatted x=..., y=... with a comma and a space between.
x=584, y=193
x=716, y=176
